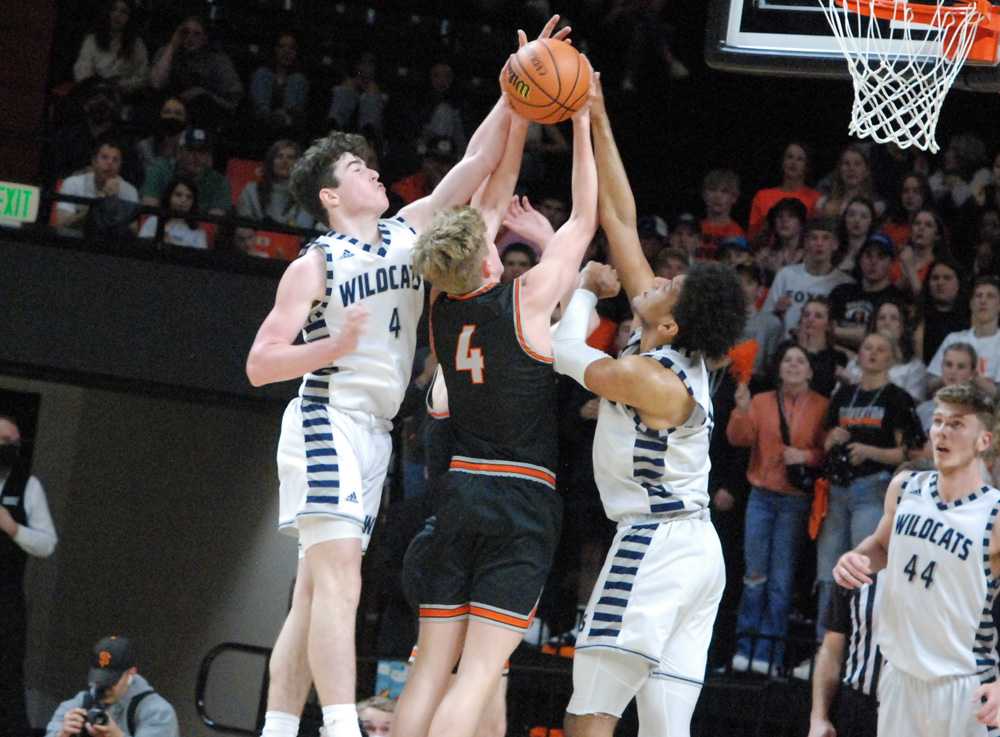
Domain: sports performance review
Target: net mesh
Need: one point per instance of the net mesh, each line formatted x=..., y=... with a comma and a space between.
x=902, y=68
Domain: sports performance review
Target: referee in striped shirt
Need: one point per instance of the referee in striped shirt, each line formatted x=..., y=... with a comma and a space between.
x=850, y=621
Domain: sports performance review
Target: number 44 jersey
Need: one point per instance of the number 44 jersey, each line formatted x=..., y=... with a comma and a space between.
x=380, y=277
x=937, y=619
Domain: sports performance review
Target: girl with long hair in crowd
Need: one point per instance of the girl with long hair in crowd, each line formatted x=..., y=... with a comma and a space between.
x=815, y=335
x=926, y=244
x=181, y=228
x=778, y=507
x=851, y=178
x=114, y=51
x=853, y=228
x=908, y=371
x=871, y=425
x=794, y=171
x=914, y=195
x=270, y=199
x=944, y=308
x=780, y=243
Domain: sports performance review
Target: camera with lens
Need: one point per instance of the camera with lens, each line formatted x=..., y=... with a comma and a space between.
x=838, y=468
x=93, y=702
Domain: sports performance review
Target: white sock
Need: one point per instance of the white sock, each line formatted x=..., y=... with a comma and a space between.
x=341, y=720
x=280, y=724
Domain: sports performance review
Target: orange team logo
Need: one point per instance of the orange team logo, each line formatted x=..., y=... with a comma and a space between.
x=104, y=658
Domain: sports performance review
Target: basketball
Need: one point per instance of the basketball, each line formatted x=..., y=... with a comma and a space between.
x=546, y=80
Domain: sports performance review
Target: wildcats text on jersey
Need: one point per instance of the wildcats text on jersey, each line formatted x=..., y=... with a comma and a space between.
x=925, y=528
x=377, y=281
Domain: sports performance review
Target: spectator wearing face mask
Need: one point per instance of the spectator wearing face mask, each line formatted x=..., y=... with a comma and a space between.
x=166, y=133
x=25, y=530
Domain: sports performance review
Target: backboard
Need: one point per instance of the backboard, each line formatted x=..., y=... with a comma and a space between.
x=792, y=38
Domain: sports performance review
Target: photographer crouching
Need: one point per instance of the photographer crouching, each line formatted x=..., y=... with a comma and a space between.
x=117, y=702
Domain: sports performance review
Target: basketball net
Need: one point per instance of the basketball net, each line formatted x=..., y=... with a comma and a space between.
x=901, y=76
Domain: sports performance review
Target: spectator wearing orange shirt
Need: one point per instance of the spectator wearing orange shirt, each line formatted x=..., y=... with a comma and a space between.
x=720, y=190
x=794, y=170
x=777, y=509
x=437, y=158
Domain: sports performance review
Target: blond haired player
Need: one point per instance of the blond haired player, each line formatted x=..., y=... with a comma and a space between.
x=939, y=547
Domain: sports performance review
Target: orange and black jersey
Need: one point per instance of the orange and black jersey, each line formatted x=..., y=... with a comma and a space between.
x=501, y=394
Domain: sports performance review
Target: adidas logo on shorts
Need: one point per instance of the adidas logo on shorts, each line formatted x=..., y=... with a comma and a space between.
x=345, y=254
x=352, y=497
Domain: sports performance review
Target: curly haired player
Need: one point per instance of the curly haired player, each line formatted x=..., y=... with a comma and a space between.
x=649, y=621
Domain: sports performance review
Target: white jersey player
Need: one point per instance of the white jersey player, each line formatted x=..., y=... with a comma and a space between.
x=649, y=621
x=938, y=544
x=355, y=298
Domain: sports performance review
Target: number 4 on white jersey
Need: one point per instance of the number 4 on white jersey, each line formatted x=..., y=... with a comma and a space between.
x=468, y=358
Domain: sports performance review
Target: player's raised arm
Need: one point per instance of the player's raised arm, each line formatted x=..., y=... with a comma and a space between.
x=274, y=356
x=637, y=381
x=556, y=274
x=856, y=567
x=493, y=199
x=482, y=155
x=616, y=204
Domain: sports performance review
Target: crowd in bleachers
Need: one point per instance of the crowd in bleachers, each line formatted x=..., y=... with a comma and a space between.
x=870, y=285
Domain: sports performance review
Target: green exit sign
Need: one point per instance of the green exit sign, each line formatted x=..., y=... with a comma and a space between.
x=18, y=203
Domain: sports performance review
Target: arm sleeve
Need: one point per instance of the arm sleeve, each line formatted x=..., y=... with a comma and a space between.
x=742, y=428
x=38, y=536
x=569, y=342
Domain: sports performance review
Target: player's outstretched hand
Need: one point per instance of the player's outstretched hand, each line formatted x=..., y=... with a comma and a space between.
x=527, y=222
x=987, y=699
x=346, y=341
x=561, y=35
x=600, y=279
x=853, y=570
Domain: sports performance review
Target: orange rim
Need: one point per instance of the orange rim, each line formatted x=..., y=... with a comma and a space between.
x=987, y=23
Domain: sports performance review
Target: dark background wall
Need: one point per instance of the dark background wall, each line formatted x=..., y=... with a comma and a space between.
x=166, y=511
x=139, y=324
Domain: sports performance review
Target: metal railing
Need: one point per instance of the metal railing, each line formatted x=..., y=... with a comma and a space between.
x=732, y=704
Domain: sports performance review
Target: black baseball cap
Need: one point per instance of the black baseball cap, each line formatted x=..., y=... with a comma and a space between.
x=111, y=657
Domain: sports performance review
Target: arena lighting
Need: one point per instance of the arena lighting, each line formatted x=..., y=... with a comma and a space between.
x=18, y=203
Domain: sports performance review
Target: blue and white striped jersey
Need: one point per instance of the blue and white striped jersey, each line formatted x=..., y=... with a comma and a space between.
x=936, y=620
x=642, y=472
x=373, y=378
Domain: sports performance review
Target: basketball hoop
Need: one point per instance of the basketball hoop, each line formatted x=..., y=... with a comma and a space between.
x=904, y=56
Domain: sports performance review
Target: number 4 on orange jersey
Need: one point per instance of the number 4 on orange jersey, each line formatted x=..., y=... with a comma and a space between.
x=468, y=358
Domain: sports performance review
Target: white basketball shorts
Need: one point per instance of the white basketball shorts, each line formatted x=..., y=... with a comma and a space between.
x=332, y=464
x=910, y=707
x=654, y=607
